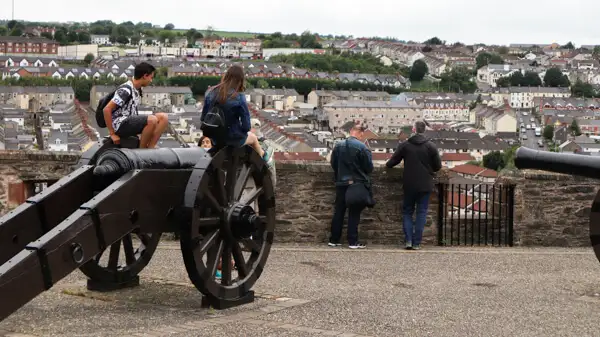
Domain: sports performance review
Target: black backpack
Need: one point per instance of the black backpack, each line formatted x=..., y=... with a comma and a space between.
x=214, y=124
x=104, y=102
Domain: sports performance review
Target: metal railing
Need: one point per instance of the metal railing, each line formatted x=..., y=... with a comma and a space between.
x=475, y=214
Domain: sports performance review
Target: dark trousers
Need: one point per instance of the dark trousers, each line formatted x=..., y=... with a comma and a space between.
x=337, y=223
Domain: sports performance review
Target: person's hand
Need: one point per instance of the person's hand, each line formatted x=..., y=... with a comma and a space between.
x=115, y=139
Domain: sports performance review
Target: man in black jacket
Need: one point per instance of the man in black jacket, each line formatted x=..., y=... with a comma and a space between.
x=421, y=161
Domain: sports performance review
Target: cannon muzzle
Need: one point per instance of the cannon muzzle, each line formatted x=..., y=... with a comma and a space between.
x=567, y=163
x=118, y=161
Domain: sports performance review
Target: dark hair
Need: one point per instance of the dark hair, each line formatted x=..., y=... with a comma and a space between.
x=233, y=80
x=420, y=127
x=202, y=139
x=142, y=70
x=359, y=127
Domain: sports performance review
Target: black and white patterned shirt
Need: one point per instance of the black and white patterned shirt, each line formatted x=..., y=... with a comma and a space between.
x=122, y=95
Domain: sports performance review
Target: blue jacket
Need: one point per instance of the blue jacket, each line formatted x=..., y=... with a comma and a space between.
x=351, y=160
x=236, y=112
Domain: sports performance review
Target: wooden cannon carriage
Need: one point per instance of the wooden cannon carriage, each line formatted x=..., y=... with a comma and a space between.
x=220, y=202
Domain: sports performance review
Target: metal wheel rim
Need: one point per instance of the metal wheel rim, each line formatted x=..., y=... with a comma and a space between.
x=206, y=194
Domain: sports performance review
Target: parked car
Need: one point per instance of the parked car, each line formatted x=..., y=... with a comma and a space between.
x=540, y=143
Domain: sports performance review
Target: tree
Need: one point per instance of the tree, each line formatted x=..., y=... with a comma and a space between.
x=459, y=79
x=503, y=50
x=149, y=42
x=494, y=160
x=580, y=89
x=12, y=24
x=3, y=31
x=486, y=58
x=262, y=84
x=84, y=37
x=169, y=26
x=16, y=32
x=434, y=41
x=574, y=128
x=569, y=45
x=531, y=79
x=596, y=51
x=135, y=40
x=555, y=78
x=88, y=58
x=122, y=39
x=549, y=132
x=418, y=71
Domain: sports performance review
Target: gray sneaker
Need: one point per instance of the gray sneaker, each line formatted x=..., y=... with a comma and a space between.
x=408, y=246
x=416, y=247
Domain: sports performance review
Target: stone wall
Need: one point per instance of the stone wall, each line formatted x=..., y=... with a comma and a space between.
x=305, y=198
x=550, y=209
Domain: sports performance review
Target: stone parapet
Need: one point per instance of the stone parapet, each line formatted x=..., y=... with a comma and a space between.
x=550, y=209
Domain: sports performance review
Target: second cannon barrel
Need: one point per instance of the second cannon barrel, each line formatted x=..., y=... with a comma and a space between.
x=567, y=163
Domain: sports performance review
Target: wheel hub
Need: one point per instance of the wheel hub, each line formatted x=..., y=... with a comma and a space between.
x=242, y=220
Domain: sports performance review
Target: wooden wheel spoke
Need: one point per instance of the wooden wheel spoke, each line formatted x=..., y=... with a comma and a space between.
x=209, y=222
x=113, y=258
x=252, y=196
x=241, y=182
x=128, y=250
x=99, y=256
x=220, y=186
x=208, y=241
x=240, y=262
x=212, y=200
x=145, y=239
x=226, y=266
x=251, y=245
x=213, y=257
x=232, y=167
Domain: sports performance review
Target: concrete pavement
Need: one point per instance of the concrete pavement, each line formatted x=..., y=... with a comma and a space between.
x=321, y=291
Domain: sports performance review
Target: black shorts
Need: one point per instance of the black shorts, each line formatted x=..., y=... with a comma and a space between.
x=132, y=126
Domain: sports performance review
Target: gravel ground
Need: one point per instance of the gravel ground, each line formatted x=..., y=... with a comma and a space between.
x=380, y=291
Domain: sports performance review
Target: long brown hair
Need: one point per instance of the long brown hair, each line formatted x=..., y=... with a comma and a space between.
x=233, y=80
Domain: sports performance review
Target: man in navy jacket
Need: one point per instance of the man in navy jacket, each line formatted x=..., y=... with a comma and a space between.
x=351, y=161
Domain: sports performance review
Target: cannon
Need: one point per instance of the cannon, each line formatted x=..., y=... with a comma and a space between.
x=567, y=163
x=107, y=216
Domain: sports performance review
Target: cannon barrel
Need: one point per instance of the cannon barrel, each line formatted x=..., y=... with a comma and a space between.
x=120, y=161
x=567, y=163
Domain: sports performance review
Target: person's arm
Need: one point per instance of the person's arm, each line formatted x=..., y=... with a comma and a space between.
x=436, y=160
x=205, y=106
x=121, y=96
x=334, y=161
x=245, y=117
x=396, y=157
x=367, y=161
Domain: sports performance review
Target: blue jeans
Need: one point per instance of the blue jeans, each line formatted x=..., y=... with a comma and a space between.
x=421, y=200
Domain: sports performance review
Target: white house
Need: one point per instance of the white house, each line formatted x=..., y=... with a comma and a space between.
x=58, y=141
x=100, y=39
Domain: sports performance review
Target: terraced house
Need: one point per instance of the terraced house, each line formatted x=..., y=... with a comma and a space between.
x=21, y=97
x=25, y=46
x=65, y=72
x=27, y=61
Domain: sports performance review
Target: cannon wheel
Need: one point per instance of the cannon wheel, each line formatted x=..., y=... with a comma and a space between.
x=215, y=199
x=114, y=274
x=595, y=226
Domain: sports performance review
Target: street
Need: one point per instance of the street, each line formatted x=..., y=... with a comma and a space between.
x=524, y=119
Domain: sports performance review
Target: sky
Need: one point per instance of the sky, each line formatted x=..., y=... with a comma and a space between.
x=467, y=21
